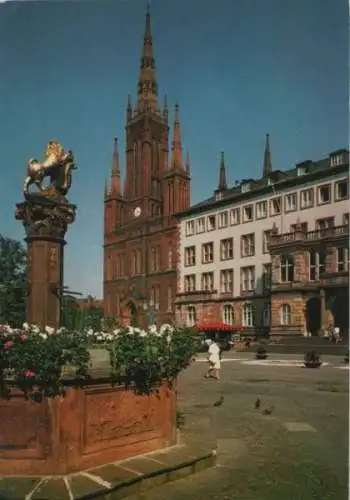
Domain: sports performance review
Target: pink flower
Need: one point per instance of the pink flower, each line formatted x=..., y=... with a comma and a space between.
x=9, y=344
x=24, y=336
x=29, y=374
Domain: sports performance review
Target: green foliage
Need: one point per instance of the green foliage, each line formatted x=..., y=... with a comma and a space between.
x=13, y=284
x=31, y=357
x=139, y=359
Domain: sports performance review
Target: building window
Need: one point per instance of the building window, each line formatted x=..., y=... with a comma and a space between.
x=342, y=259
x=190, y=283
x=154, y=259
x=223, y=220
x=207, y=282
x=317, y=264
x=275, y=206
x=290, y=202
x=219, y=195
x=248, y=213
x=266, y=276
x=170, y=256
x=337, y=160
x=266, y=314
x=189, y=227
x=226, y=249
x=133, y=264
x=261, y=210
x=138, y=262
x=345, y=219
x=234, y=217
x=191, y=318
x=266, y=240
x=170, y=300
x=246, y=187
x=324, y=194
x=248, y=245
x=226, y=281
x=152, y=297
x=287, y=268
x=301, y=171
x=208, y=253
x=157, y=298
x=200, y=225
x=211, y=223
x=341, y=190
x=190, y=256
x=326, y=223
x=286, y=316
x=307, y=198
x=247, y=278
x=248, y=315
x=228, y=314
x=303, y=226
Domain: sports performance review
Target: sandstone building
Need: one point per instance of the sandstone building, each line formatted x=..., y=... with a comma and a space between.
x=272, y=253
x=140, y=230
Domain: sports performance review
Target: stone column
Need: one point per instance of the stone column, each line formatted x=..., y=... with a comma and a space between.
x=45, y=221
x=322, y=308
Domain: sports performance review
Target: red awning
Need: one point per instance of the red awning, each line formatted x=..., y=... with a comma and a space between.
x=217, y=327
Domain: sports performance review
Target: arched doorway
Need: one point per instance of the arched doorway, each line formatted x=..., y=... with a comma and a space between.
x=340, y=311
x=313, y=315
x=129, y=314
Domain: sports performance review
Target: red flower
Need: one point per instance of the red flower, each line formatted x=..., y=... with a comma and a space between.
x=29, y=374
x=9, y=344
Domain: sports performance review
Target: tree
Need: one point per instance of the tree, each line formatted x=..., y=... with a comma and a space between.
x=13, y=281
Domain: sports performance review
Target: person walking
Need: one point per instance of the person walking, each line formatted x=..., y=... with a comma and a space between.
x=213, y=360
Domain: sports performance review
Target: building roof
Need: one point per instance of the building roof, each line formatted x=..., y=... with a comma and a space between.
x=275, y=181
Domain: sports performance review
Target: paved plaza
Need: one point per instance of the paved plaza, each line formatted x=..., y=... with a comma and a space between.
x=294, y=447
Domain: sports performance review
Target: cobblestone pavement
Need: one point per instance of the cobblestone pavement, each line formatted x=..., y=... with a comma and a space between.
x=297, y=451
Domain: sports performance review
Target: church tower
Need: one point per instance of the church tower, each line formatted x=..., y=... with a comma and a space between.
x=140, y=228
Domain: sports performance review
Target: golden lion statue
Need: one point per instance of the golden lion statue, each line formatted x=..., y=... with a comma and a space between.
x=58, y=165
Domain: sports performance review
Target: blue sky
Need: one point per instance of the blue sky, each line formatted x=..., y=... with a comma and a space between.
x=239, y=69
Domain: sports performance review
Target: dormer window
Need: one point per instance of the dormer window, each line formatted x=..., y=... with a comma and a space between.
x=337, y=159
x=301, y=171
x=246, y=187
x=269, y=181
x=219, y=196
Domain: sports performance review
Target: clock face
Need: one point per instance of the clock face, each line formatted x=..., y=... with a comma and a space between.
x=137, y=212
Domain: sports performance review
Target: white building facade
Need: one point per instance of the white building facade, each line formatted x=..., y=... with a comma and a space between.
x=227, y=270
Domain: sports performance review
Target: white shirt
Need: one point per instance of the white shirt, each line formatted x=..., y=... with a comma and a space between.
x=214, y=352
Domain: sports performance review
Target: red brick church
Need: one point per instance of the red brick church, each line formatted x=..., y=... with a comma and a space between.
x=140, y=229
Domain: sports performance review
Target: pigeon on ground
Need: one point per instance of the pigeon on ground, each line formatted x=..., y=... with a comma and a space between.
x=219, y=402
x=257, y=404
x=268, y=410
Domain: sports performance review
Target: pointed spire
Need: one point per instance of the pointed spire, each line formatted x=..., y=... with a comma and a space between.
x=188, y=164
x=177, y=147
x=165, y=109
x=129, y=109
x=147, y=90
x=267, y=168
x=222, y=173
x=115, y=181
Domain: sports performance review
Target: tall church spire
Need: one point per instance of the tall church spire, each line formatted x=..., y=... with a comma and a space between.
x=222, y=186
x=176, y=146
x=267, y=168
x=115, y=180
x=147, y=89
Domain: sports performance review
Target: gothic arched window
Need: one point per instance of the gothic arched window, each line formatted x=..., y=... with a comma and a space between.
x=286, y=315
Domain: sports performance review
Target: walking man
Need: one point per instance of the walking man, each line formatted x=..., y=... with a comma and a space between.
x=213, y=360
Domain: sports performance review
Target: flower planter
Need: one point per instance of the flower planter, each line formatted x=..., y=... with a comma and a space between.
x=313, y=364
x=261, y=356
x=89, y=426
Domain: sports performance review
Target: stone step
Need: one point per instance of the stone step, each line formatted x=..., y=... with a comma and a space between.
x=113, y=481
